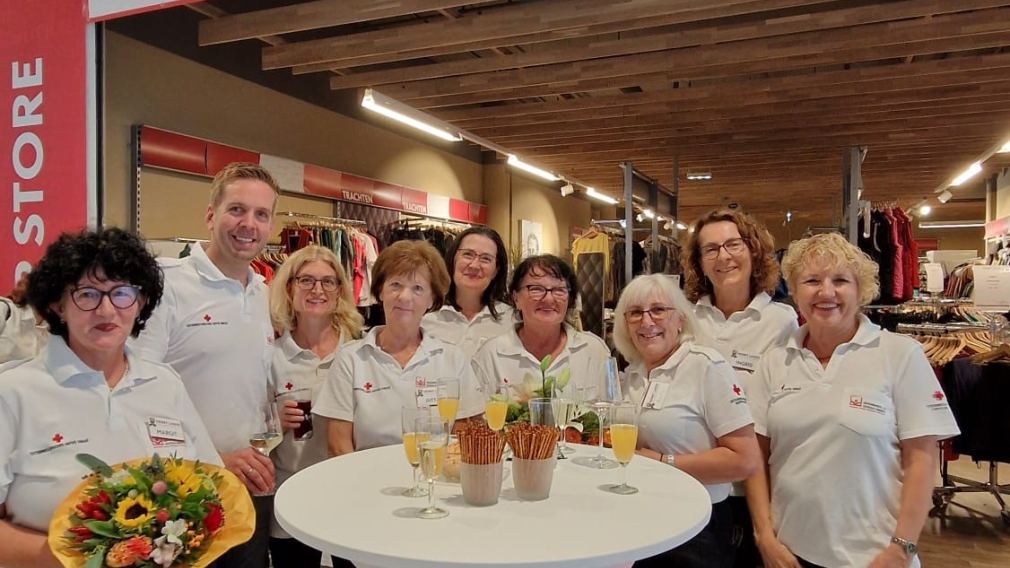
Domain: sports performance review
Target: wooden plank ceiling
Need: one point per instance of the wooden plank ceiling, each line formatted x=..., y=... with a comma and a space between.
x=764, y=94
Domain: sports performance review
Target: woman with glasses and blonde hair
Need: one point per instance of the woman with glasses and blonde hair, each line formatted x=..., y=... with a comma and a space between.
x=694, y=413
x=730, y=272
x=475, y=309
x=312, y=309
x=544, y=290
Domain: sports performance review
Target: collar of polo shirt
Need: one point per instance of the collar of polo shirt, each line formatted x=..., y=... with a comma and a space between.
x=207, y=269
x=64, y=364
x=757, y=303
x=574, y=342
x=866, y=334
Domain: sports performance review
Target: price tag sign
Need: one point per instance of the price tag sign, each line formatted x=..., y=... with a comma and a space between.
x=934, y=277
x=992, y=288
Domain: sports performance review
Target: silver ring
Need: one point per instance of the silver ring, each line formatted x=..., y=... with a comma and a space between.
x=248, y=471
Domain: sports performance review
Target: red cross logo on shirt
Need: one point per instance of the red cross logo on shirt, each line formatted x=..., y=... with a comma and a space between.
x=736, y=390
x=368, y=387
x=57, y=438
x=289, y=386
x=938, y=395
x=206, y=317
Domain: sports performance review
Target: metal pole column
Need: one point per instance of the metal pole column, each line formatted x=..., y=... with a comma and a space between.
x=629, y=221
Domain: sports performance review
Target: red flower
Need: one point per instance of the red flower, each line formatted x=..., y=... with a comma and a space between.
x=214, y=519
x=81, y=533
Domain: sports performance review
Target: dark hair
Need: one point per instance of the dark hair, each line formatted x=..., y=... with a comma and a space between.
x=119, y=255
x=407, y=257
x=551, y=266
x=496, y=290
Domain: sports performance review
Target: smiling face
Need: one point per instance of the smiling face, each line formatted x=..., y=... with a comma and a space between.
x=725, y=270
x=242, y=222
x=654, y=337
x=827, y=296
x=474, y=265
x=548, y=310
x=406, y=297
x=102, y=331
x=316, y=301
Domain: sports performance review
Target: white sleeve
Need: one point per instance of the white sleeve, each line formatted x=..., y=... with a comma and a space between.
x=336, y=397
x=152, y=344
x=724, y=400
x=756, y=388
x=8, y=438
x=195, y=428
x=920, y=405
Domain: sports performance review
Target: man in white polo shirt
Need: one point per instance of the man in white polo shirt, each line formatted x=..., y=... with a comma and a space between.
x=213, y=327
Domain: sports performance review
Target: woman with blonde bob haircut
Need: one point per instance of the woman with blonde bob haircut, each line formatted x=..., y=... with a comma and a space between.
x=313, y=311
x=694, y=415
x=849, y=409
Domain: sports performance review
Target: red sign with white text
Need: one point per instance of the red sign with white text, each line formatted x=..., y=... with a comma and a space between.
x=43, y=190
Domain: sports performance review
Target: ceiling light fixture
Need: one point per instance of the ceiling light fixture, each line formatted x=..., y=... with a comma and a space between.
x=390, y=108
x=967, y=174
x=951, y=224
x=517, y=163
x=699, y=176
x=1004, y=148
x=944, y=197
x=681, y=226
x=925, y=210
x=600, y=197
x=648, y=213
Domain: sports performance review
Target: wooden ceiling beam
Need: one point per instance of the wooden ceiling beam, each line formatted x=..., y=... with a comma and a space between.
x=600, y=47
x=503, y=26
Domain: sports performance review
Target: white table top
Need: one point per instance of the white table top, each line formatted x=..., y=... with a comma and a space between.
x=350, y=507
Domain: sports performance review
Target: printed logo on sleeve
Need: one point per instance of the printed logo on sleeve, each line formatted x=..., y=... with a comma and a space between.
x=738, y=395
x=205, y=320
x=56, y=442
x=941, y=401
x=369, y=388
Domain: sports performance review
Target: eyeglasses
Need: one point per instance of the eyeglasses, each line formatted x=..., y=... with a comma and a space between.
x=328, y=283
x=469, y=256
x=658, y=314
x=733, y=247
x=87, y=299
x=538, y=292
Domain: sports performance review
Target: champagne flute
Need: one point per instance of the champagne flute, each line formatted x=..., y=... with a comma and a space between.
x=409, y=416
x=447, y=393
x=267, y=433
x=432, y=450
x=496, y=408
x=562, y=408
x=607, y=394
x=623, y=440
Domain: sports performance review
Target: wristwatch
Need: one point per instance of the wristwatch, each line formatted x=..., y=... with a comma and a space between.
x=667, y=459
x=909, y=547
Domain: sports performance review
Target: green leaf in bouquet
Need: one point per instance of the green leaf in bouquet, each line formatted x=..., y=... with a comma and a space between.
x=143, y=481
x=563, y=377
x=94, y=464
x=103, y=528
x=590, y=423
x=97, y=558
x=545, y=363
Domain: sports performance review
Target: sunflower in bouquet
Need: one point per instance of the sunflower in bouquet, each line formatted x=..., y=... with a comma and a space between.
x=153, y=512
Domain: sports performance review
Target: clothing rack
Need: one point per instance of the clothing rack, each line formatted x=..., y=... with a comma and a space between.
x=310, y=218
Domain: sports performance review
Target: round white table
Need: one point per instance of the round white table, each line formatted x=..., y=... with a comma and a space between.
x=350, y=507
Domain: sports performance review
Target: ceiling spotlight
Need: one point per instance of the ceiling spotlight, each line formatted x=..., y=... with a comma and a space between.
x=648, y=213
x=668, y=226
x=640, y=217
x=681, y=226
x=944, y=197
x=567, y=190
x=1005, y=148
x=699, y=176
x=925, y=210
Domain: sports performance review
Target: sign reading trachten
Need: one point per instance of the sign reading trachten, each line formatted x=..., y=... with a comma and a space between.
x=992, y=288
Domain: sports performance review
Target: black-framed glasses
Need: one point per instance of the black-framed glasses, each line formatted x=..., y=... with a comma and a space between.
x=538, y=292
x=469, y=256
x=88, y=299
x=657, y=313
x=329, y=283
x=733, y=246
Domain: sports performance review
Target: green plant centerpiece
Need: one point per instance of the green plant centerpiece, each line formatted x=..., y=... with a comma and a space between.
x=545, y=386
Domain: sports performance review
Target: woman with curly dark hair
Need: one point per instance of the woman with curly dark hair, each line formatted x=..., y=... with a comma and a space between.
x=85, y=392
x=475, y=309
x=729, y=272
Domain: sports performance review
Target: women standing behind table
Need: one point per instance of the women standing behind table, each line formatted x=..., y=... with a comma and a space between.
x=544, y=290
x=694, y=413
x=848, y=417
x=85, y=392
x=474, y=309
x=397, y=364
x=312, y=308
x=729, y=271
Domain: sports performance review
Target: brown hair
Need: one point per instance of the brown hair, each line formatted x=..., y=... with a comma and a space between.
x=346, y=318
x=765, y=271
x=408, y=257
x=236, y=171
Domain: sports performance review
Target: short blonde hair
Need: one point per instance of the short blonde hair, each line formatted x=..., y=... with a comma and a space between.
x=408, y=257
x=637, y=292
x=834, y=251
x=346, y=318
x=236, y=171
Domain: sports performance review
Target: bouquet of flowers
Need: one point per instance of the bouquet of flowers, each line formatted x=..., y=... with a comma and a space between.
x=152, y=512
x=533, y=387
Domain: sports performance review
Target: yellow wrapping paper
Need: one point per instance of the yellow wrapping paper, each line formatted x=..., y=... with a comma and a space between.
x=239, y=517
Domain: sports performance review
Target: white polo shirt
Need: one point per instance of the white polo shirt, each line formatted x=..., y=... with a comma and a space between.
x=745, y=335
x=505, y=358
x=696, y=399
x=54, y=406
x=20, y=336
x=835, y=460
x=368, y=387
x=298, y=374
x=452, y=327
x=217, y=335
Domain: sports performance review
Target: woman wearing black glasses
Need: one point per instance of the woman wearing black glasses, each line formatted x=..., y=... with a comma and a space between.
x=312, y=308
x=85, y=392
x=544, y=290
x=694, y=414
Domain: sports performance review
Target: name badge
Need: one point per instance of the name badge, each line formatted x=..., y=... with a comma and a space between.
x=655, y=395
x=426, y=395
x=744, y=361
x=165, y=432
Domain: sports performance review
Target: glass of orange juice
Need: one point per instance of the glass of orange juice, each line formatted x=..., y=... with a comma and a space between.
x=496, y=408
x=623, y=440
x=409, y=416
x=447, y=390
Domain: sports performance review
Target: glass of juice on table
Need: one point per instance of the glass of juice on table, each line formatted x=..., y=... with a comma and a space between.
x=447, y=393
x=624, y=440
x=409, y=416
x=432, y=449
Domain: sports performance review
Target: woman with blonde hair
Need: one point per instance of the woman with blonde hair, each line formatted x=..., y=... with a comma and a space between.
x=694, y=414
x=848, y=416
x=313, y=311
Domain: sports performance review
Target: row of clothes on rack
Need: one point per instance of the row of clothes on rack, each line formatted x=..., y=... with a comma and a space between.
x=926, y=311
x=885, y=234
x=960, y=283
x=1001, y=253
x=609, y=247
x=356, y=249
x=663, y=254
x=439, y=234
